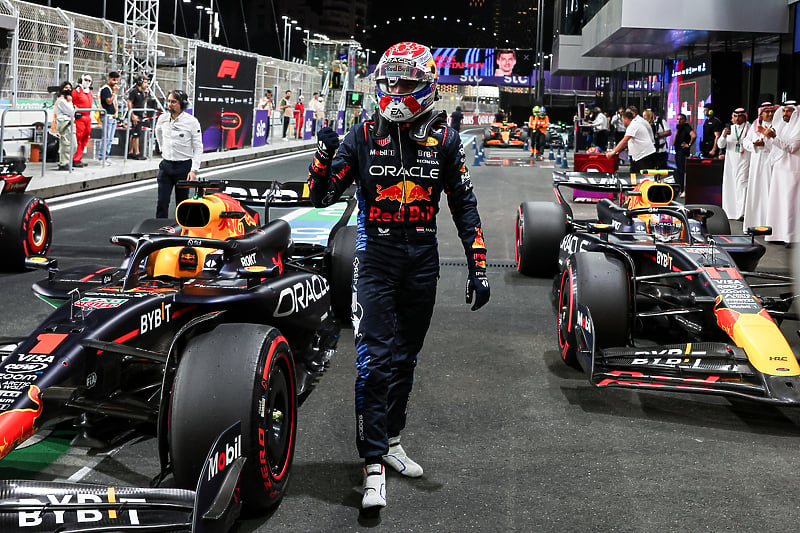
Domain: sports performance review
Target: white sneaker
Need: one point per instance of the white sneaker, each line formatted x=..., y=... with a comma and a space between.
x=374, y=487
x=285, y=138
x=397, y=459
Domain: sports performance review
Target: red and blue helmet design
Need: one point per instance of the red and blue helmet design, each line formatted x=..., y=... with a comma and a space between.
x=405, y=81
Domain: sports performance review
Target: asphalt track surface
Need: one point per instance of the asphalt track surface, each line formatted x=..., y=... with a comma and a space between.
x=511, y=439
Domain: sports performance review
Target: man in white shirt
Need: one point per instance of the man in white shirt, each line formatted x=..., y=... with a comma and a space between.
x=600, y=128
x=318, y=107
x=737, y=165
x=639, y=141
x=181, y=141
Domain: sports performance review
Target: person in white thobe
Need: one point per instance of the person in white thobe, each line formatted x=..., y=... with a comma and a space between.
x=737, y=165
x=784, y=189
x=759, y=146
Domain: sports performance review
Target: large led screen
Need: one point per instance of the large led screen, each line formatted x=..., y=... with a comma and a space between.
x=489, y=66
x=224, y=97
x=688, y=91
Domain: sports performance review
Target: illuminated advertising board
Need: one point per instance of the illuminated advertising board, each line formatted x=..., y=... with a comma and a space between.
x=225, y=84
x=486, y=66
x=688, y=90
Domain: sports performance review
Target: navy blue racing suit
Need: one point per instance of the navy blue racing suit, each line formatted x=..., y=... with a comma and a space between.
x=400, y=171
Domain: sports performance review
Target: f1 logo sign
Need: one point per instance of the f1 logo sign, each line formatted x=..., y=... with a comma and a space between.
x=228, y=67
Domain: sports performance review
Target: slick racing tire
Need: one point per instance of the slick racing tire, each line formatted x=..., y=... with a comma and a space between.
x=342, y=254
x=718, y=223
x=600, y=283
x=153, y=225
x=540, y=228
x=236, y=372
x=26, y=229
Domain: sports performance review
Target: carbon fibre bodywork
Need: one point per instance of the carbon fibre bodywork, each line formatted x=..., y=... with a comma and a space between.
x=110, y=349
x=681, y=313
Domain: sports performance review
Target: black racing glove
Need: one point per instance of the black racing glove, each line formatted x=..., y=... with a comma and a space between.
x=477, y=286
x=327, y=143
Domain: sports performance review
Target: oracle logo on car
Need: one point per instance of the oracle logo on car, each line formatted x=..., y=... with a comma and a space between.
x=301, y=295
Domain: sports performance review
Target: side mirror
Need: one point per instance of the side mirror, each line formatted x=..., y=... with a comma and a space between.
x=41, y=262
x=759, y=230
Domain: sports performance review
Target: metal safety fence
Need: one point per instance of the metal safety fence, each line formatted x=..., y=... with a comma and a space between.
x=51, y=46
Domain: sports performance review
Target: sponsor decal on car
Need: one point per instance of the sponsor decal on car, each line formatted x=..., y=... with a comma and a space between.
x=299, y=296
x=99, y=303
x=218, y=462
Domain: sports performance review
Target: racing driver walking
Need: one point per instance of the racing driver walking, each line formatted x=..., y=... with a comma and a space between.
x=401, y=160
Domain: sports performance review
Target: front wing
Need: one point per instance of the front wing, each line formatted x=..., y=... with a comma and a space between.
x=46, y=506
x=706, y=368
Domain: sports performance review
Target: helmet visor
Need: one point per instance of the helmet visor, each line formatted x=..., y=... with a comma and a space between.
x=401, y=78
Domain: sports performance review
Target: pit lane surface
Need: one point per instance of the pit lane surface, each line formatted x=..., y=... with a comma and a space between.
x=510, y=438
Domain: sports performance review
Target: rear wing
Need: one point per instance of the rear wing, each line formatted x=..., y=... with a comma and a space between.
x=255, y=193
x=621, y=182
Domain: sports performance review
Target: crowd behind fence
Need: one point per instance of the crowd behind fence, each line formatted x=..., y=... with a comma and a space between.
x=52, y=45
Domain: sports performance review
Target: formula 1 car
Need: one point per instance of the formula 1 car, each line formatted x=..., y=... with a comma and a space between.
x=650, y=295
x=503, y=134
x=215, y=320
x=26, y=227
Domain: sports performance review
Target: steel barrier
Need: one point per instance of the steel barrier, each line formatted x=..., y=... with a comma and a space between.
x=43, y=149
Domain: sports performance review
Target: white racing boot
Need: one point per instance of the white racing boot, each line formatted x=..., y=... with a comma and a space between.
x=374, y=487
x=397, y=459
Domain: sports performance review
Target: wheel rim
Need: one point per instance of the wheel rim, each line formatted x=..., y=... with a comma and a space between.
x=37, y=233
x=565, y=311
x=278, y=418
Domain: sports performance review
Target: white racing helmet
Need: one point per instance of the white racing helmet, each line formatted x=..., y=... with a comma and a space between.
x=399, y=100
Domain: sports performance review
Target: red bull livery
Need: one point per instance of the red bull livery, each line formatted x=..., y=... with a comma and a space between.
x=659, y=295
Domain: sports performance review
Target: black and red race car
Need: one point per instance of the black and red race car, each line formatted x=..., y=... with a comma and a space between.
x=26, y=227
x=653, y=294
x=215, y=320
x=503, y=134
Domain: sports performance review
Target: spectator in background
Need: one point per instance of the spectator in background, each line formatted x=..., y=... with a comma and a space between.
x=683, y=143
x=760, y=175
x=784, y=189
x=737, y=165
x=65, y=114
x=712, y=128
x=661, y=132
x=108, y=101
x=336, y=74
x=617, y=126
x=285, y=109
x=82, y=99
x=638, y=140
x=318, y=107
x=499, y=115
x=455, y=118
x=181, y=141
x=299, y=115
x=506, y=59
x=267, y=104
x=137, y=100
x=600, y=128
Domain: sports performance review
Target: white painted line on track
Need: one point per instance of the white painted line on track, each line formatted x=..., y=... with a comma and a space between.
x=80, y=474
x=59, y=206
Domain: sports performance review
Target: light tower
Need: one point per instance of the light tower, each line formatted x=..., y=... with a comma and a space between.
x=141, y=38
